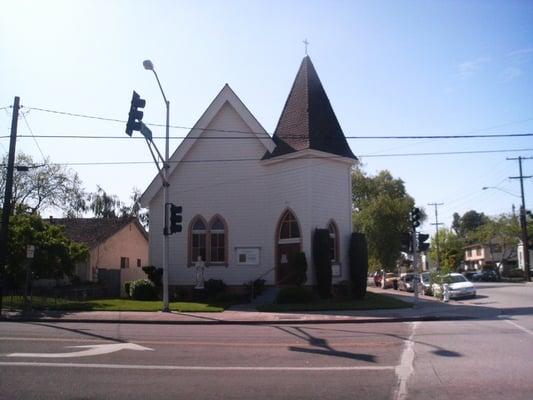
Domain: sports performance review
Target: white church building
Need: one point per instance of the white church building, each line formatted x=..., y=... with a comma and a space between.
x=251, y=201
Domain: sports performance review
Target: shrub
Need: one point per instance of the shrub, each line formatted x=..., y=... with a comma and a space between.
x=341, y=290
x=143, y=289
x=322, y=261
x=358, y=264
x=258, y=287
x=294, y=294
x=127, y=286
x=214, y=287
x=300, y=268
x=154, y=274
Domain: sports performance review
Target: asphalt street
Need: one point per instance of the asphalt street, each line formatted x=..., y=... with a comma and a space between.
x=487, y=358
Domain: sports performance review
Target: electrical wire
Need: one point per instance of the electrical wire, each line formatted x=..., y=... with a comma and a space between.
x=497, y=135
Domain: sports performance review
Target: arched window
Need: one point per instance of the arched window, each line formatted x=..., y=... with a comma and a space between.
x=334, y=242
x=198, y=240
x=217, y=241
x=289, y=227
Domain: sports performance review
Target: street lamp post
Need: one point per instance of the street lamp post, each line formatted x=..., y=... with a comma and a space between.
x=148, y=65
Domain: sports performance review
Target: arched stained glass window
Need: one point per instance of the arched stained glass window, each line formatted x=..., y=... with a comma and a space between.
x=198, y=240
x=217, y=241
x=289, y=227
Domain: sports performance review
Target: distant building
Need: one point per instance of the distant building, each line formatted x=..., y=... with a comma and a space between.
x=479, y=256
x=118, y=248
x=520, y=256
x=250, y=201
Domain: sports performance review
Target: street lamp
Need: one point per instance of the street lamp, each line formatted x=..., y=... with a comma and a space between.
x=148, y=65
x=500, y=189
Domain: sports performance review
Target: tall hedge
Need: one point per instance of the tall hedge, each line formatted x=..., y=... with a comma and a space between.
x=358, y=264
x=322, y=261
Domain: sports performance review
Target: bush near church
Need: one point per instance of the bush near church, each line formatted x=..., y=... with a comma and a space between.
x=143, y=289
x=358, y=264
x=322, y=261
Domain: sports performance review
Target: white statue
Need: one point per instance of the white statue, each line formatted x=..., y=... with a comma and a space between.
x=200, y=266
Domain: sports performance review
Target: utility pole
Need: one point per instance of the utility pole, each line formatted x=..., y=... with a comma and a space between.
x=523, y=222
x=6, y=212
x=437, y=230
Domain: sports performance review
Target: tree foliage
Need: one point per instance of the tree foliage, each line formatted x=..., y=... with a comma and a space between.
x=468, y=223
x=55, y=255
x=44, y=186
x=381, y=211
x=451, y=250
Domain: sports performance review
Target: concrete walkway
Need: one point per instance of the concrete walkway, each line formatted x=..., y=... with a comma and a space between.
x=428, y=308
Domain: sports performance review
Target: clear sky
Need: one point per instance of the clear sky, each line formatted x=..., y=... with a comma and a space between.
x=389, y=68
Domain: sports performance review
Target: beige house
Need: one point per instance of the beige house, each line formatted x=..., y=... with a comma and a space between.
x=118, y=248
x=479, y=256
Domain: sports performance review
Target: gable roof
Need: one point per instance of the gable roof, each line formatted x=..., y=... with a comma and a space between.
x=93, y=231
x=225, y=96
x=308, y=120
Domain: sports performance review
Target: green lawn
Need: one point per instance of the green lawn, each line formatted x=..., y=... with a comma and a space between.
x=41, y=303
x=371, y=301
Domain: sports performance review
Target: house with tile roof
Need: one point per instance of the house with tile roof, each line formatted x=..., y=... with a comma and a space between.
x=252, y=201
x=118, y=248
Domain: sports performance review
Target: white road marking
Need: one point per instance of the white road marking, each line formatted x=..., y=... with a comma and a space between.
x=191, y=368
x=406, y=367
x=516, y=325
x=93, y=350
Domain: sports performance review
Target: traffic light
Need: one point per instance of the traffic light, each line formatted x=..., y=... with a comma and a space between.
x=422, y=237
x=405, y=242
x=415, y=217
x=135, y=116
x=173, y=219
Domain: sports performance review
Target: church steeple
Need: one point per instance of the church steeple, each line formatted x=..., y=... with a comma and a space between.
x=308, y=120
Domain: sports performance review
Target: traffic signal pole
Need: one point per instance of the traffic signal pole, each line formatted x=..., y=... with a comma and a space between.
x=415, y=267
x=6, y=212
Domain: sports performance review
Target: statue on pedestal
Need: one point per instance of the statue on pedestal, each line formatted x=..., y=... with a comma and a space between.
x=200, y=266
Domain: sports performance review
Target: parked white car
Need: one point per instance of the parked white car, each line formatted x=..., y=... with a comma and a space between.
x=458, y=287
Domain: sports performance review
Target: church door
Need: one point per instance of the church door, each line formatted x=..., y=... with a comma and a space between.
x=289, y=244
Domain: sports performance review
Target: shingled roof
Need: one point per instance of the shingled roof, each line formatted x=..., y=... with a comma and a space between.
x=93, y=231
x=308, y=120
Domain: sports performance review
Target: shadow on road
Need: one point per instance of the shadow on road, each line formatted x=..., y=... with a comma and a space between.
x=79, y=331
x=322, y=345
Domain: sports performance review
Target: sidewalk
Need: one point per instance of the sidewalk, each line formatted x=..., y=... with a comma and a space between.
x=428, y=309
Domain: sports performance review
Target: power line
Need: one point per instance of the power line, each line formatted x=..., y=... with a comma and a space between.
x=410, y=137
x=282, y=158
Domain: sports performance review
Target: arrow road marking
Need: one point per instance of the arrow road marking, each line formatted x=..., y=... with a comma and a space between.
x=93, y=350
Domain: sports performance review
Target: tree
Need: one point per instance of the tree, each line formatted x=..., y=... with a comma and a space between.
x=381, y=211
x=104, y=205
x=451, y=250
x=468, y=223
x=44, y=186
x=55, y=255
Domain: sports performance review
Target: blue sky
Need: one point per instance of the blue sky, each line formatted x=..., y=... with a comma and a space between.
x=389, y=68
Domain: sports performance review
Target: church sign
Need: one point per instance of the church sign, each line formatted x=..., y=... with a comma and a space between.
x=247, y=255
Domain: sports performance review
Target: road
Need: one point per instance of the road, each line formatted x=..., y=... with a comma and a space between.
x=479, y=359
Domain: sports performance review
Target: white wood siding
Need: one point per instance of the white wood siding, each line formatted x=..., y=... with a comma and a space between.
x=251, y=196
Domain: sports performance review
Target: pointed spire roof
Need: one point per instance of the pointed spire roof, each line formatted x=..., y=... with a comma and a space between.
x=308, y=120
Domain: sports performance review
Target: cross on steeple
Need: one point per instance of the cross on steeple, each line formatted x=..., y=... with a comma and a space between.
x=306, y=43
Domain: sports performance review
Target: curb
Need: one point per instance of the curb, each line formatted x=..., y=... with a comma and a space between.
x=428, y=318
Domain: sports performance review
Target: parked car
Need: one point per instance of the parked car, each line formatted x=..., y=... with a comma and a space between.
x=406, y=283
x=426, y=283
x=487, y=275
x=469, y=275
x=391, y=280
x=458, y=286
